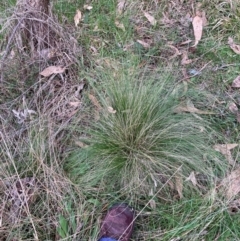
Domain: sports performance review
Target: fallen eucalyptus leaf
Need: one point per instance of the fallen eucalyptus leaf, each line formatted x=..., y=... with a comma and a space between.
x=144, y=44
x=94, y=101
x=77, y=17
x=192, y=178
x=177, y=52
x=225, y=150
x=80, y=144
x=192, y=109
x=233, y=46
x=120, y=6
x=236, y=82
x=150, y=18
x=231, y=184
x=111, y=110
x=186, y=42
x=120, y=25
x=52, y=70
x=75, y=103
x=233, y=107
x=185, y=60
x=197, y=23
x=87, y=7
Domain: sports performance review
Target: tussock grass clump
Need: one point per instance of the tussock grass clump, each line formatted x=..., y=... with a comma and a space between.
x=142, y=141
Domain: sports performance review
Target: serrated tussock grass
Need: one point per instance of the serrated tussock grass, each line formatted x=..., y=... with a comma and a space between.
x=145, y=141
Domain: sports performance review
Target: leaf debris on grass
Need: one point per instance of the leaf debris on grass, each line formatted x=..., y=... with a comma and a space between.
x=87, y=7
x=150, y=18
x=120, y=6
x=192, y=178
x=236, y=82
x=231, y=184
x=52, y=70
x=77, y=17
x=225, y=150
x=95, y=101
x=233, y=107
x=197, y=23
x=177, y=52
x=111, y=110
x=189, y=107
x=144, y=44
x=120, y=25
x=233, y=46
x=185, y=60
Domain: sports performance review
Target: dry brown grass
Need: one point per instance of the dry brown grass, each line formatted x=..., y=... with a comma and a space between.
x=35, y=113
x=34, y=188
x=33, y=41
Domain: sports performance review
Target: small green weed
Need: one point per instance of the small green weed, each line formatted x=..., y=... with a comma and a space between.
x=67, y=226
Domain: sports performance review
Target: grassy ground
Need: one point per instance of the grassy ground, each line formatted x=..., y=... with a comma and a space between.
x=120, y=131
